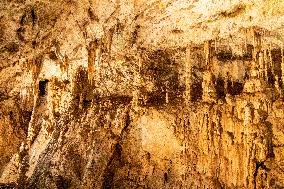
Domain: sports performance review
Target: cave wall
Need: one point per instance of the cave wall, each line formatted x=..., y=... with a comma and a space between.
x=141, y=94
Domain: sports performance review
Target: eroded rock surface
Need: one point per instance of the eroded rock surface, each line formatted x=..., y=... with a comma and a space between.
x=141, y=94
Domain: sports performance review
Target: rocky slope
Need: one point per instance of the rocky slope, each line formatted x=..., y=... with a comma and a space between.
x=141, y=94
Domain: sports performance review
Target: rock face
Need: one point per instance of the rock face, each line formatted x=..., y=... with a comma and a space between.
x=141, y=94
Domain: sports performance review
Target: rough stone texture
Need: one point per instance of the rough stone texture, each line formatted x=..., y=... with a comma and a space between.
x=141, y=94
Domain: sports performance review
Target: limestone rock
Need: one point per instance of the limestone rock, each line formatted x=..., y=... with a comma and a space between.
x=141, y=94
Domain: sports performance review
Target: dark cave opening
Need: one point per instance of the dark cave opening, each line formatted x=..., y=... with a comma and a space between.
x=42, y=87
x=220, y=88
x=235, y=88
x=162, y=70
x=155, y=99
x=224, y=55
x=196, y=91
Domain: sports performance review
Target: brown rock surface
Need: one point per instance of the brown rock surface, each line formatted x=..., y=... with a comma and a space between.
x=141, y=94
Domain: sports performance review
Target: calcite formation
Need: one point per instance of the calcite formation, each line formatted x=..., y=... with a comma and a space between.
x=141, y=94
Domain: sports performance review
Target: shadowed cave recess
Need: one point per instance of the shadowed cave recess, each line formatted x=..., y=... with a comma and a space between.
x=141, y=94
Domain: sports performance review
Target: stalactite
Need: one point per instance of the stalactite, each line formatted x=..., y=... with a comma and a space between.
x=36, y=69
x=207, y=52
x=91, y=61
x=261, y=66
x=66, y=65
x=215, y=45
x=107, y=39
x=282, y=67
x=188, y=73
x=98, y=59
x=256, y=43
x=94, y=59
x=60, y=59
x=246, y=42
x=208, y=84
x=256, y=71
x=271, y=60
x=266, y=62
x=25, y=92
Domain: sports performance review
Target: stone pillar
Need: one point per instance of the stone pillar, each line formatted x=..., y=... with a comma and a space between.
x=188, y=74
